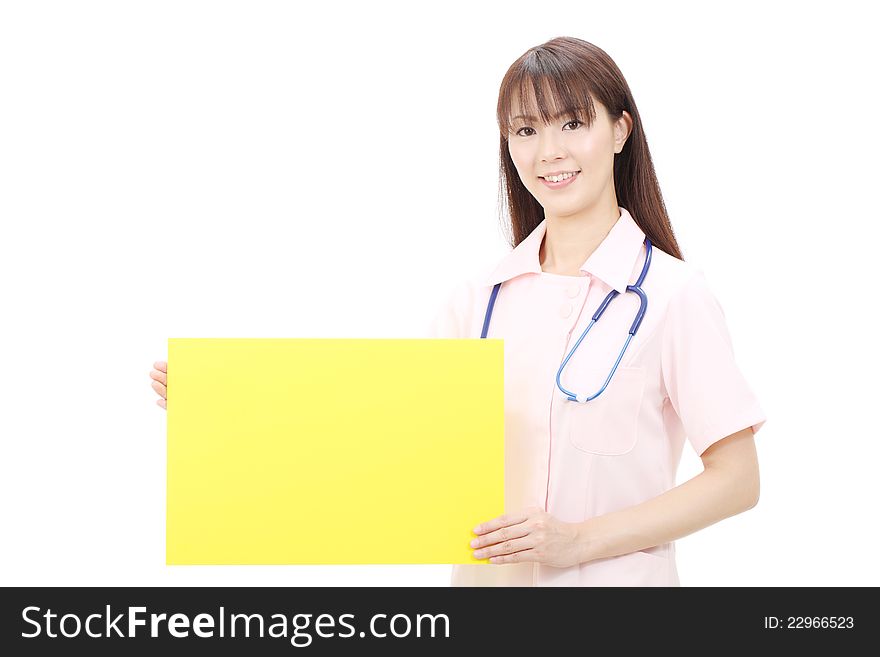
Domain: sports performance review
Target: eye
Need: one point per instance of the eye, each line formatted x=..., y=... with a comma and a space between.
x=579, y=123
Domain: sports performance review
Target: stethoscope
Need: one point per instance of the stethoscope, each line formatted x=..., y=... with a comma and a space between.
x=643, y=306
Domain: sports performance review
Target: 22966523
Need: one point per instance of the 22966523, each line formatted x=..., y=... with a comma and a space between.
x=808, y=622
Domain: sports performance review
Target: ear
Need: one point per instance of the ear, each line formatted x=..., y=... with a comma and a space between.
x=622, y=130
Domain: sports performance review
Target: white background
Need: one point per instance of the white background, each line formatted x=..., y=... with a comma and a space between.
x=275, y=169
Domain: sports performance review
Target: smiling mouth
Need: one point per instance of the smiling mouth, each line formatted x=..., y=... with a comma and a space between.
x=561, y=183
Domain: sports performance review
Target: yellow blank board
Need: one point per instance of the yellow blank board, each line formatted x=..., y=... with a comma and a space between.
x=332, y=451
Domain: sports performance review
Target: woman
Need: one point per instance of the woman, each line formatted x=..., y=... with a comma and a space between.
x=589, y=487
x=590, y=461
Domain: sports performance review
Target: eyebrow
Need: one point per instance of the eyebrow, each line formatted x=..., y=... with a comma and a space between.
x=557, y=116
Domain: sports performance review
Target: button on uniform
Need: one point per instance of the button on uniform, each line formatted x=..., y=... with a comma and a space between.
x=573, y=290
x=565, y=310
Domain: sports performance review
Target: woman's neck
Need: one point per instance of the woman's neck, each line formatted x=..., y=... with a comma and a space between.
x=569, y=241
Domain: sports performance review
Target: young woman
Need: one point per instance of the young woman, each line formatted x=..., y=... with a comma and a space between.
x=596, y=412
x=590, y=462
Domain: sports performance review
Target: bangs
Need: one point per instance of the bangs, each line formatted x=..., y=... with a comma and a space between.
x=546, y=89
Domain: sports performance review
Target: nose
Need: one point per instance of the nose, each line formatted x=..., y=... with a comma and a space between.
x=550, y=147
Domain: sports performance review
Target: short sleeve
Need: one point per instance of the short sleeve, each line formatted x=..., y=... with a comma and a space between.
x=450, y=319
x=704, y=384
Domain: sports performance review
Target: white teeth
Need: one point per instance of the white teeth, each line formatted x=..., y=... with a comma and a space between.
x=564, y=176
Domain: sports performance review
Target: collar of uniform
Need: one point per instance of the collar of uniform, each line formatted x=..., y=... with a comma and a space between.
x=612, y=261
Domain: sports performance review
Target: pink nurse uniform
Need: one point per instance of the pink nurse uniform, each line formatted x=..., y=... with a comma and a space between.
x=677, y=381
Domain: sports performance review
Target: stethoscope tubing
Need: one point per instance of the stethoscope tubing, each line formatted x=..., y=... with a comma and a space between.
x=637, y=322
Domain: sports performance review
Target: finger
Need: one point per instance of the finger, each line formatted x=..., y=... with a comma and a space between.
x=161, y=377
x=501, y=535
x=516, y=557
x=162, y=403
x=501, y=521
x=161, y=365
x=160, y=389
x=507, y=547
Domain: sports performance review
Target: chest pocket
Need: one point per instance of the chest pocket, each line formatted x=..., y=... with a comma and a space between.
x=608, y=425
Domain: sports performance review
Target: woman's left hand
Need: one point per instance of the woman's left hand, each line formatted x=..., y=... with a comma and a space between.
x=530, y=535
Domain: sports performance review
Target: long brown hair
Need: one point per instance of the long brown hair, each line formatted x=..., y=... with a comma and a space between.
x=576, y=72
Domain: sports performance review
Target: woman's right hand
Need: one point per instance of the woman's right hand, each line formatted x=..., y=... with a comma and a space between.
x=159, y=374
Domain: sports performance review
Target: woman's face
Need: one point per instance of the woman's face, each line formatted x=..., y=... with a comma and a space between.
x=566, y=145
